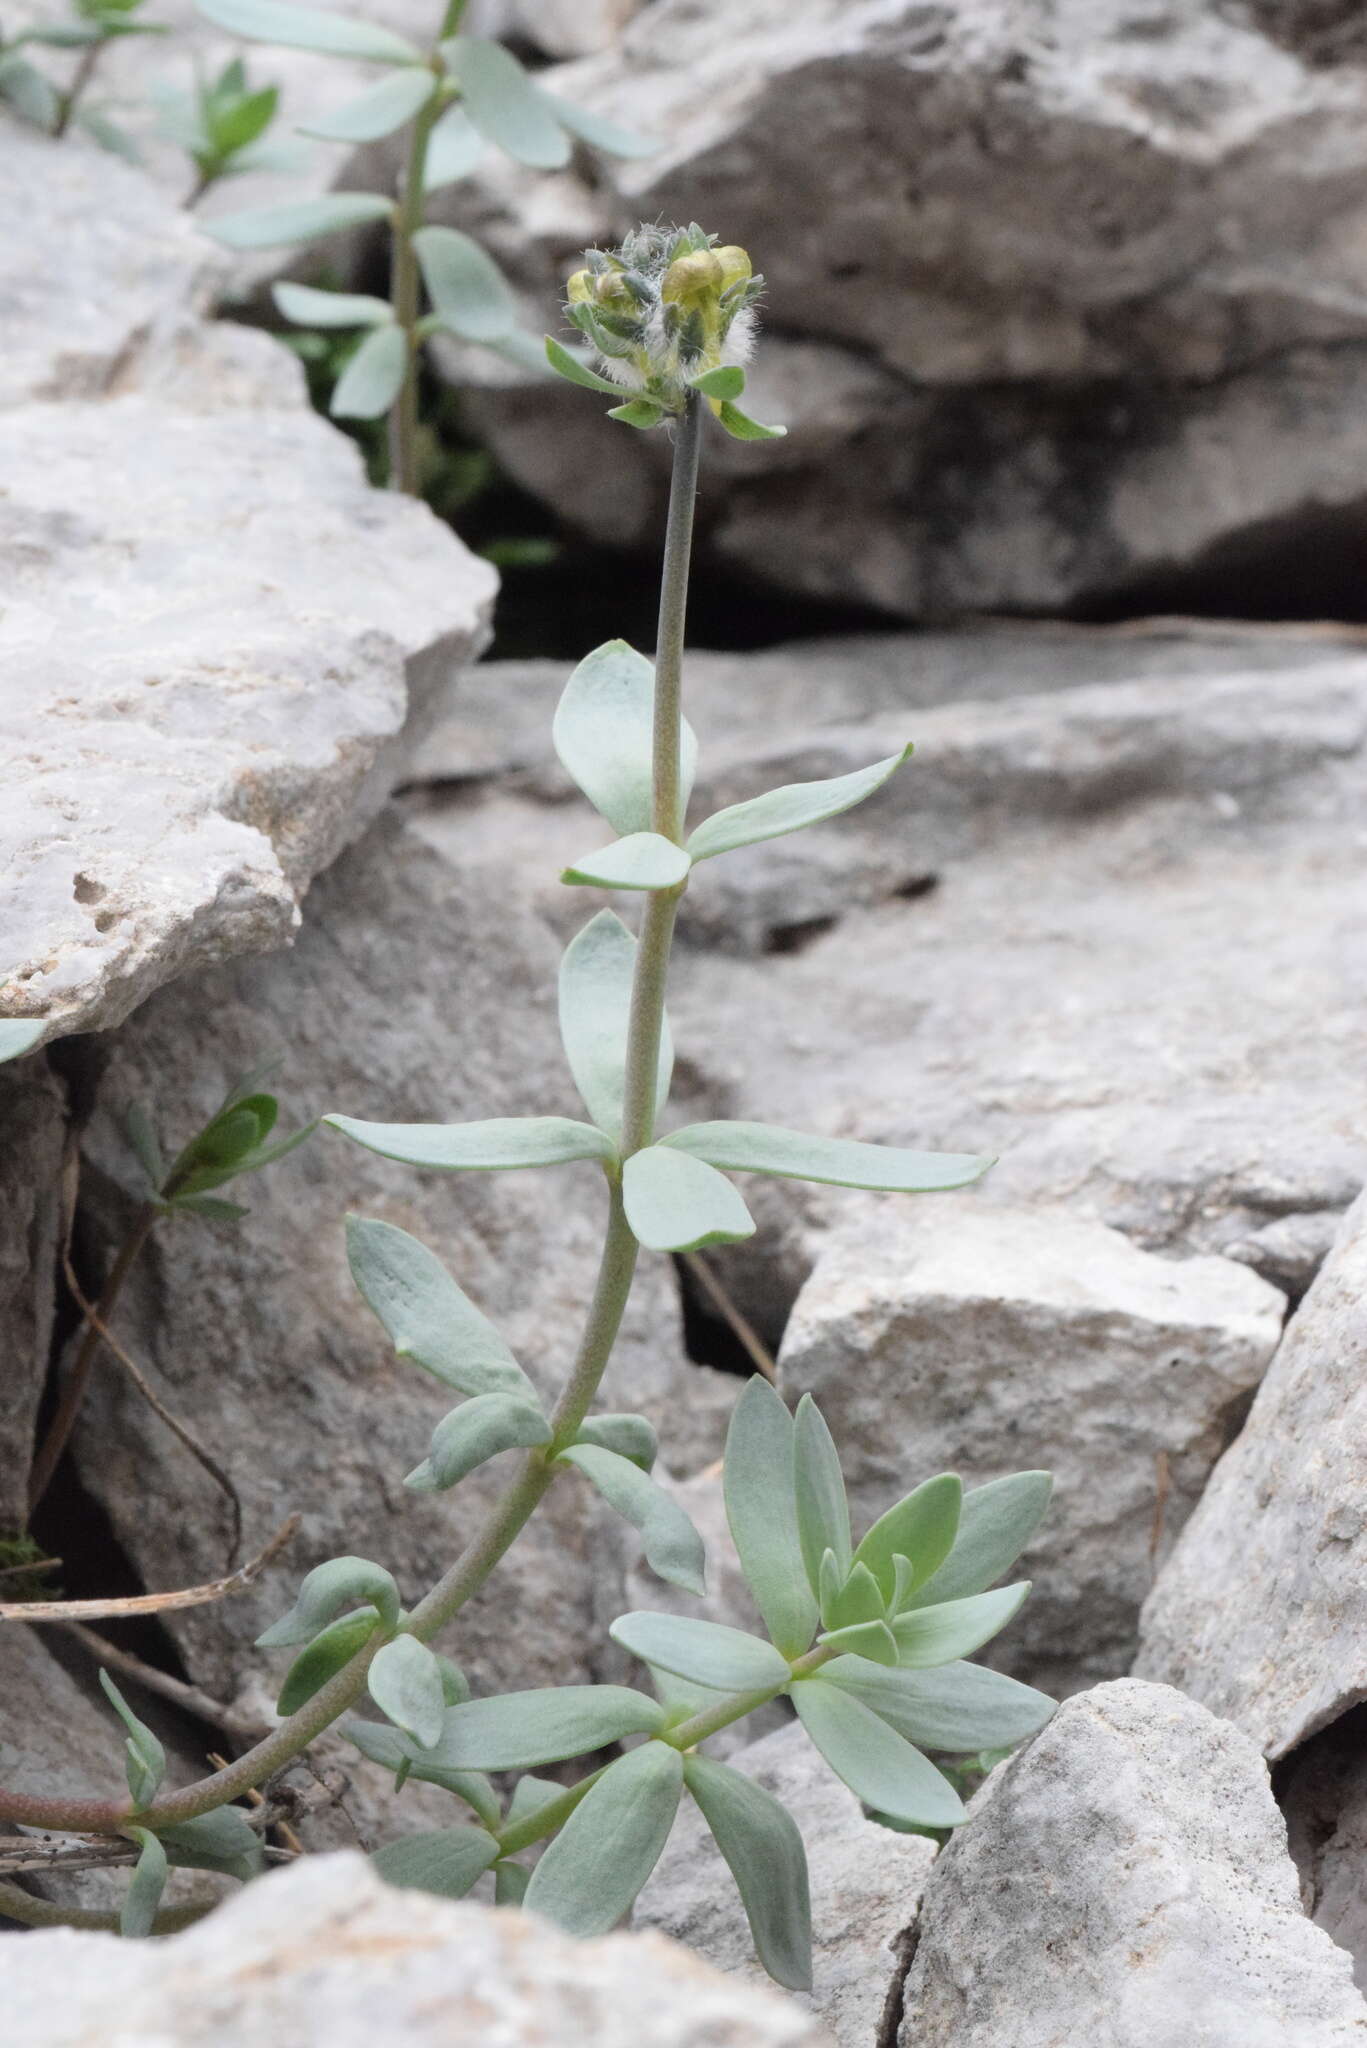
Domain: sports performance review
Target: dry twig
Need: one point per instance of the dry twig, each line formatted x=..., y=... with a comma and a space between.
x=153, y=1603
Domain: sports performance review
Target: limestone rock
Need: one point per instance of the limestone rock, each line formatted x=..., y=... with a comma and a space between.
x=866, y=1886
x=409, y=995
x=326, y=1956
x=953, y=1335
x=1124, y=1881
x=205, y=667
x=1260, y=1612
x=32, y=1120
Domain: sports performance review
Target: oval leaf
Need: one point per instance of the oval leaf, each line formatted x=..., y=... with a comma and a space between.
x=394, y=1751
x=454, y=148
x=995, y=1524
x=937, y=1635
x=643, y=860
x=595, y=1866
x=840, y=1162
x=887, y=1773
x=823, y=1513
x=596, y=977
x=857, y=1600
x=921, y=1528
x=763, y=1848
x=308, y=28
x=574, y=372
x=405, y=1683
x=871, y=1639
x=378, y=111
x=340, y=1582
x=144, y=1893
x=303, y=220
x=672, y=1545
x=468, y=290
x=505, y=105
x=761, y=1509
x=373, y=379
x=479, y=1430
x=726, y=1659
x=791, y=808
x=677, y=1204
x=221, y=1841
x=727, y=381
x=741, y=427
x=311, y=308
x=448, y=1862
x=428, y=1317
x=631, y=1436
x=603, y=726
x=501, y=1145
x=523, y=1729
x=961, y=1707
x=324, y=1657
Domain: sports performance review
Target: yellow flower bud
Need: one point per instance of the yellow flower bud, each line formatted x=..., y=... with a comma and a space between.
x=691, y=280
x=735, y=264
x=579, y=289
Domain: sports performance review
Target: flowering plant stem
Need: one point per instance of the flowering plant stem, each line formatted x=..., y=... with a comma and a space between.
x=616, y=1271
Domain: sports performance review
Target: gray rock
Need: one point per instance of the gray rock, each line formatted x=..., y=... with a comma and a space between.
x=1124, y=1881
x=1260, y=1610
x=1322, y=1790
x=408, y=995
x=1059, y=298
x=866, y=1887
x=326, y=1956
x=33, y=1119
x=205, y=670
x=964, y=1336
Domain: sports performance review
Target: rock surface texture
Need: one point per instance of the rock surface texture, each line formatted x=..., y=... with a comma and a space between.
x=1061, y=297
x=207, y=665
x=975, y=1338
x=1261, y=1611
x=33, y=1120
x=325, y=1956
x=866, y=1886
x=1124, y=1882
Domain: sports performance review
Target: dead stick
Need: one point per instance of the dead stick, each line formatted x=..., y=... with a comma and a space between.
x=755, y=1348
x=152, y=1603
x=229, y=1719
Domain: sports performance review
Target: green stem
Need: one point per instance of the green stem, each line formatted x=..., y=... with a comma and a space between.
x=85, y=71
x=666, y=804
x=615, y=1273
x=404, y=297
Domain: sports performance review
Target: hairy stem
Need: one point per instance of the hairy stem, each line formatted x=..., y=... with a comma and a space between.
x=616, y=1270
x=73, y=1391
x=666, y=795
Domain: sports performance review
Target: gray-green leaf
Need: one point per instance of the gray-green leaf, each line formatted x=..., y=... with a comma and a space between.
x=502, y=1144
x=394, y=1751
x=221, y=1841
x=405, y=1683
x=603, y=725
x=631, y=1436
x=505, y=105
x=324, y=1657
x=672, y=1545
x=308, y=28
x=675, y=1203
x=596, y=976
x=791, y=808
x=597, y=130
x=149, y=1882
x=643, y=860
x=959, y=1707
x=468, y=290
x=840, y=1162
x=763, y=1848
x=19, y=1035
x=823, y=1513
x=302, y=220
x=956, y=1628
x=709, y=1653
x=762, y=1511
x=145, y=1757
x=340, y=1582
x=877, y=1765
x=454, y=147
x=309, y=307
x=373, y=378
x=429, y=1318
x=995, y=1524
x=596, y=1865
x=920, y=1528
x=448, y=1861
x=379, y=110
x=520, y=1730
x=476, y=1431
